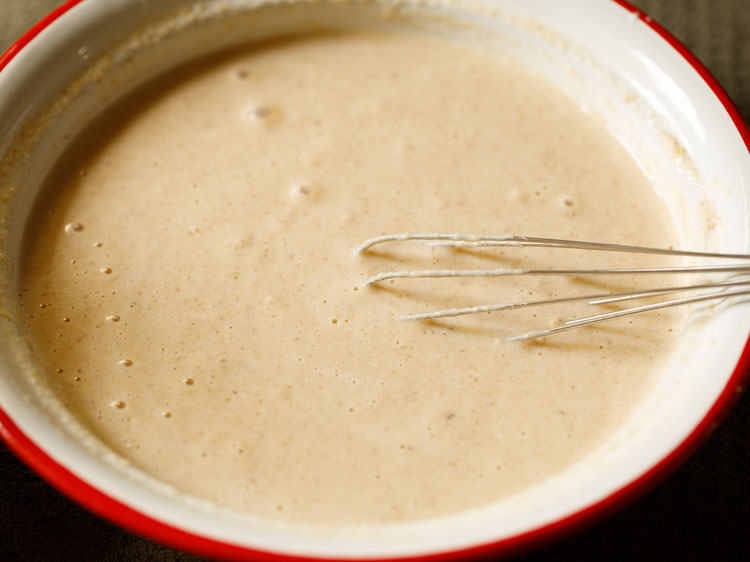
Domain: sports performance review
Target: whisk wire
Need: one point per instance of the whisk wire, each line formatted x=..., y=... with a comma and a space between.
x=577, y=323
x=435, y=273
x=598, y=299
x=478, y=240
x=460, y=240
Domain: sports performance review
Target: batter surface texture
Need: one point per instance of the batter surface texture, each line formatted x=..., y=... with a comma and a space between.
x=190, y=286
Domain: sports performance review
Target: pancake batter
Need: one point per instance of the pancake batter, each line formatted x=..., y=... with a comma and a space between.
x=191, y=291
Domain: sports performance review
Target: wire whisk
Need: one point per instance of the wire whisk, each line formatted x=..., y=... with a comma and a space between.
x=738, y=284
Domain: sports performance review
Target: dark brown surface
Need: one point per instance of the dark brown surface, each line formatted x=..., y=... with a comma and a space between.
x=702, y=512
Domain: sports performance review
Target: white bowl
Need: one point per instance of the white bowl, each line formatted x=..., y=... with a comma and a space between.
x=654, y=95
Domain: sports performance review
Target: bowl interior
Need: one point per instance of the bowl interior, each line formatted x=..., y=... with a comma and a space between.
x=614, y=64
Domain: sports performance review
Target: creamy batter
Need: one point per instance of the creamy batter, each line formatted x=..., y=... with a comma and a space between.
x=190, y=288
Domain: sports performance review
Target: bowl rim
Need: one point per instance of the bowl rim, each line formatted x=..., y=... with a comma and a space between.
x=131, y=519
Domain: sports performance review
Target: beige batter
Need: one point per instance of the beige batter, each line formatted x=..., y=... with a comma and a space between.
x=190, y=287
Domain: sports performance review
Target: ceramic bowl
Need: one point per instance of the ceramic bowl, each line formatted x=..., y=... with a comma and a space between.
x=651, y=92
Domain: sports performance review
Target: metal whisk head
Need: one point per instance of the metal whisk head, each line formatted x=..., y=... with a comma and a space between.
x=737, y=284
